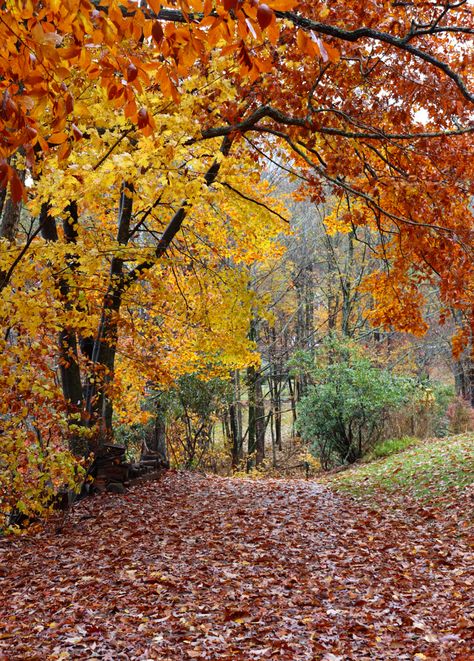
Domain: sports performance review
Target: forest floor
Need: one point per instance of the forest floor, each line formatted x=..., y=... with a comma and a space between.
x=196, y=567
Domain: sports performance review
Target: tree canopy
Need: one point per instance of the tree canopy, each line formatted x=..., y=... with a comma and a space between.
x=133, y=139
x=372, y=99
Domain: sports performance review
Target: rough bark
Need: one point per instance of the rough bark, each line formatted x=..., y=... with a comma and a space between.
x=10, y=220
x=256, y=424
x=69, y=370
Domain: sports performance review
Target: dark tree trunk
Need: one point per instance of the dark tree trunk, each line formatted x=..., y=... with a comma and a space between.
x=235, y=422
x=3, y=197
x=275, y=405
x=233, y=429
x=470, y=360
x=9, y=221
x=69, y=370
x=292, y=400
x=99, y=404
x=461, y=381
x=463, y=367
x=10, y=218
x=256, y=427
x=346, y=289
x=252, y=415
x=277, y=414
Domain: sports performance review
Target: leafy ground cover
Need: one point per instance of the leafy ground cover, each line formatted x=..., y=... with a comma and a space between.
x=195, y=567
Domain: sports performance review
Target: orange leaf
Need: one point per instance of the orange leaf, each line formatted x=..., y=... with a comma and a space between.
x=155, y=5
x=31, y=133
x=132, y=72
x=4, y=173
x=143, y=119
x=69, y=102
x=283, y=5
x=301, y=39
x=64, y=151
x=57, y=138
x=273, y=31
x=157, y=32
x=17, y=189
x=333, y=53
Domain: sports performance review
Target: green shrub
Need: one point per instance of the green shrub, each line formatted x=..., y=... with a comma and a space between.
x=192, y=408
x=131, y=437
x=342, y=414
x=188, y=411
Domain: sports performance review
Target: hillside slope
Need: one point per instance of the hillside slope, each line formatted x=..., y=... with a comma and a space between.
x=433, y=471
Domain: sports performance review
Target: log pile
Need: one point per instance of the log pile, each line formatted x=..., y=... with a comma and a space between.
x=112, y=473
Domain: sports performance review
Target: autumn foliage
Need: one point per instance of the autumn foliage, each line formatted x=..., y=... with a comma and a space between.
x=133, y=138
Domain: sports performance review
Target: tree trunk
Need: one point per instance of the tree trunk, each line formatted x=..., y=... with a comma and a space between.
x=99, y=404
x=252, y=428
x=156, y=440
x=10, y=218
x=256, y=427
x=235, y=421
x=470, y=362
x=3, y=197
x=275, y=395
x=9, y=221
x=292, y=402
x=460, y=379
x=259, y=420
x=346, y=288
x=272, y=435
x=463, y=367
x=69, y=370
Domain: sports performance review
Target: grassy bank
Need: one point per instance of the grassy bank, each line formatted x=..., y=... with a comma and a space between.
x=425, y=470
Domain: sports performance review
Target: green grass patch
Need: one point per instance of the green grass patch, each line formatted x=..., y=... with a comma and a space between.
x=392, y=446
x=426, y=470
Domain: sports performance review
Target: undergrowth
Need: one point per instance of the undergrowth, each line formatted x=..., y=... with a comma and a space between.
x=392, y=446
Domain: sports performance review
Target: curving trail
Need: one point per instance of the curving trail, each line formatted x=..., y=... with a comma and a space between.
x=195, y=567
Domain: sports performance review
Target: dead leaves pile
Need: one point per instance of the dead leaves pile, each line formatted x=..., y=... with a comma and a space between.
x=195, y=567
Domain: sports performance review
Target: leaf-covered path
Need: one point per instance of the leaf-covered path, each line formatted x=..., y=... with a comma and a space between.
x=195, y=567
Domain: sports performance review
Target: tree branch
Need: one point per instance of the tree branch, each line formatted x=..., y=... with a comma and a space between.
x=254, y=201
x=176, y=221
x=273, y=113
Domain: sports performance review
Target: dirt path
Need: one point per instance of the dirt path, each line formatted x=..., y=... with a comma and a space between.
x=196, y=567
